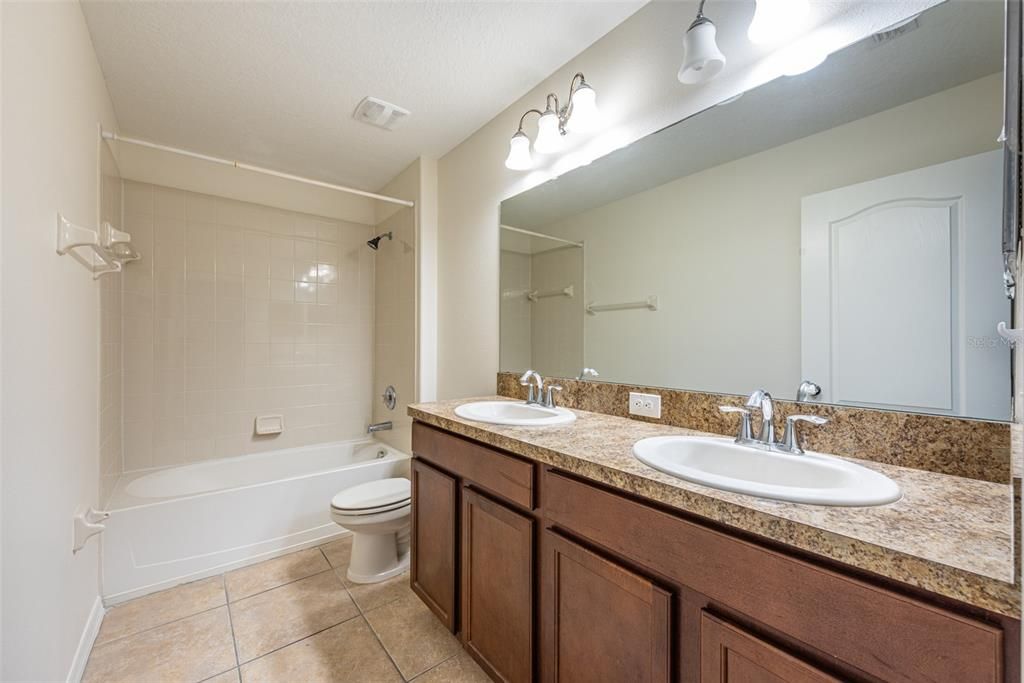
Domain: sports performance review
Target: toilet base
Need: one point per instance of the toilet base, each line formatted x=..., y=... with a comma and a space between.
x=377, y=557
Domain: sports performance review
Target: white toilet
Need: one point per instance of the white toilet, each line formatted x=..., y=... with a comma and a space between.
x=377, y=513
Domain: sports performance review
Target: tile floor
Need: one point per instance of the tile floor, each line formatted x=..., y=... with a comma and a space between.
x=293, y=618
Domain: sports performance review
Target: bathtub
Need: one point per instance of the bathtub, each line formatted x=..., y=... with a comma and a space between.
x=183, y=523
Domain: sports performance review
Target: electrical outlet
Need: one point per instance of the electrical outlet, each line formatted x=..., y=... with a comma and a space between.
x=648, y=405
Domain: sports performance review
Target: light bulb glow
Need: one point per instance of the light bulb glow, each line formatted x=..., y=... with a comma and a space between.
x=519, y=158
x=585, y=116
x=702, y=59
x=549, y=138
x=777, y=20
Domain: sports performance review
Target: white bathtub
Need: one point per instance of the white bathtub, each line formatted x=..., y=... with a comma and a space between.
x=182, y=523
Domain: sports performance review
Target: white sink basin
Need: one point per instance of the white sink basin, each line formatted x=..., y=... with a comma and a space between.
x=808, y=478
x=515, y=413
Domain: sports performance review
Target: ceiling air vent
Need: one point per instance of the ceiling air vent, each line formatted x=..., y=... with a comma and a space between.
x=380, y=113
x=895, y=31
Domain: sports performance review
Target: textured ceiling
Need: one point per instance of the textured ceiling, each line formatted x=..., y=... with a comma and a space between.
x=275, y=83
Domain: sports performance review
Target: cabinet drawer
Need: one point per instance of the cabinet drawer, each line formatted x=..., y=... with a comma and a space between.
x=883, y=633
x=501, y=474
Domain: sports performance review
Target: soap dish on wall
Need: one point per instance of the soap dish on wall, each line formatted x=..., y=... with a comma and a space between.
x=268, y=425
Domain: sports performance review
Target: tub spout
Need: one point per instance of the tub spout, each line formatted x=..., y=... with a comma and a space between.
x=379, y=427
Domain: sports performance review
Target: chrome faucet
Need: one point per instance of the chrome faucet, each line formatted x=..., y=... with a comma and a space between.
x=587, y=372
x=762, y=400
x=532, y=379
x=765, y=440
x=539, y=394
x=379, y=427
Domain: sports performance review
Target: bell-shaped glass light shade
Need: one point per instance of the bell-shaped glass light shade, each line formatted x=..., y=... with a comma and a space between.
x=585, y=116
x=549, y=138
x=777, y=20
x=702, y=60
x=519, y=158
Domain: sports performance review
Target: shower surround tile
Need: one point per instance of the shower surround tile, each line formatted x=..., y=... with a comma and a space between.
x=237, y=310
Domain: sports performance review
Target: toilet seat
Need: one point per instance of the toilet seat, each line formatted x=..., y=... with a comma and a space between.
x=373, y=497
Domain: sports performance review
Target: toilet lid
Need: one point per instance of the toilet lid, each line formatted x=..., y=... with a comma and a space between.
x=373, y=494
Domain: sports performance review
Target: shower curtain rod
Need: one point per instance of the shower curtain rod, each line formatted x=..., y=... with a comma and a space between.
x=531, y=233
x=107, y=135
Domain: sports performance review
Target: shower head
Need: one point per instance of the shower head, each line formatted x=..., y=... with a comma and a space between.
x=375, y=242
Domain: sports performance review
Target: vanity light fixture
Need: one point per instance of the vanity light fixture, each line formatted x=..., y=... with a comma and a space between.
x=702, y=60
x=578, y=115
x=777, y=20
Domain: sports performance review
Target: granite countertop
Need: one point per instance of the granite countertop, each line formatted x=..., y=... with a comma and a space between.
x=949, y=535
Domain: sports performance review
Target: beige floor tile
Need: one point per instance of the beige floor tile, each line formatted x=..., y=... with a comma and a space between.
x=373, y=595
x=344, y=653
x=459, y=669
x=248, y=581
x=412, y=635
x=289, y=613
x=161, y=608
x=226, y=677
x=339, y=552
x=188, y=650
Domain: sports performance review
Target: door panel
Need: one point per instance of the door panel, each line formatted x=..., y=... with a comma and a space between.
x=434, y=523
x=901, y=291
x=601, y=618
x=497, y=587
x=730, y=655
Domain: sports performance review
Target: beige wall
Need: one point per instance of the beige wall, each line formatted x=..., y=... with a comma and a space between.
x=394, y=346
x=53, y=97
x=111, y=423
x=698, y=241
x=238, y=310
x=633, y=70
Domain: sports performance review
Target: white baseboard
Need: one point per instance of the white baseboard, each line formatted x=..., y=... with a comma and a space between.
x=89, y=633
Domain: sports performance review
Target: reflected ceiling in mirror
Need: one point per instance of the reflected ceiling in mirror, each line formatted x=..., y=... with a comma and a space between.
x=841, y=227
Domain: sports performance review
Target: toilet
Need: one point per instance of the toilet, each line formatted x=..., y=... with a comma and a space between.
x=377, y=513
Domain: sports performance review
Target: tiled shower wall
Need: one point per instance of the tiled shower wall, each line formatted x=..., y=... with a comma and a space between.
x=110, y=424
x=238, y=310
x=395, y=325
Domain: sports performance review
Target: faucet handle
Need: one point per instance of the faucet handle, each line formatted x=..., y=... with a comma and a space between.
x=791, y=437
x=549, y=399
x=745, y=433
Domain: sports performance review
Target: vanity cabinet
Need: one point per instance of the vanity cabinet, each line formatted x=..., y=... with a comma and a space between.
x=599, y=616
x=728, y=654
x=497, y=586
x=432, y=568
x=558, y=578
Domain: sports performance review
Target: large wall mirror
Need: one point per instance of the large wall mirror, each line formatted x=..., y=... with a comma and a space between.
x=841, y=227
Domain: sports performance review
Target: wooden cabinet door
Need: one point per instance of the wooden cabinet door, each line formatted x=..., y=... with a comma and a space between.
x=729, y=654
x=433, y=570
x=601, y=621
x=497, y=587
